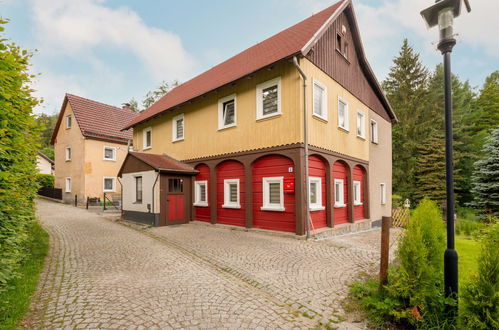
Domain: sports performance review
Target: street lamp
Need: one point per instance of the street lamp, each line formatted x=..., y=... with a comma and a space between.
x=442, y=13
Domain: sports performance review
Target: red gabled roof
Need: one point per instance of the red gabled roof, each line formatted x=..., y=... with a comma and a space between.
x=162, y=162
x=98, y=120
x=280, y=46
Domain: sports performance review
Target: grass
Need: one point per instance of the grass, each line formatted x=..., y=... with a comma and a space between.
x=14, y=302
x=468, y=251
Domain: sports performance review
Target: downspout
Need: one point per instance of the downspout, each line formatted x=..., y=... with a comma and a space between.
x=152, y=202
x=305, y=141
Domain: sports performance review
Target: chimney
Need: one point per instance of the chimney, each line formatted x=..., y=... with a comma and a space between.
x=126, y=106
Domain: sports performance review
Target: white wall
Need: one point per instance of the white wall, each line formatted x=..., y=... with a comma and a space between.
x=148, y=178
x=43, y=165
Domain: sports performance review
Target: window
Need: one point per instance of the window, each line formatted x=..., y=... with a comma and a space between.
x=147, y=138
x=268, y=98
x=338, y=42
x=361, y=125
x=320, y=100
x=343, y=114
x=175, y=185
x=68, y=121
x=357, y=194
x=273, y=194
x=201, y=193
x=315, y=194
x=231, y=194
x=68, y=154
x=227, y=112
x=178, y=128
x=339, y=193
x=109, y=184
x=345, y=49
x=374, y=131
x=382, y=188
x=138, y=189
x=68, y=185
x=110, y=153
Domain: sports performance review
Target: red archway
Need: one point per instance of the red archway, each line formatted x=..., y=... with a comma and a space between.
x=202, y=210
x=317, y=177
x=359, y=185
x=230, y=205
x=340, y=192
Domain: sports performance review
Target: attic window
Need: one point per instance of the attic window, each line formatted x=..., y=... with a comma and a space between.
x=68, y=121
x=338, y=42
x=342, y=45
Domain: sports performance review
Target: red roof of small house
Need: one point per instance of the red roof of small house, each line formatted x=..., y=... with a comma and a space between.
x=162, y=162
x=98, y=120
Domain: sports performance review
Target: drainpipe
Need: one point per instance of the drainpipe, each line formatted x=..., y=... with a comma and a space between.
x=152, y=202
x=305, y=140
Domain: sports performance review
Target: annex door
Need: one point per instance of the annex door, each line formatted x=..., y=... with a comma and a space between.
x=175, y=200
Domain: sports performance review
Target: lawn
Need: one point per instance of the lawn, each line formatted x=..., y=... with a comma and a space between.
x=14, y=302
x=468, y=251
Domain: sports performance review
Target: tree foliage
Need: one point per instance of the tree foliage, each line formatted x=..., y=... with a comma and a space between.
x=47, y=124
x=153, y=96
x=488, y=102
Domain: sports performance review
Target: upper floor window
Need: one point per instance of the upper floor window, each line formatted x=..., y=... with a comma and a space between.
x=315, y=194
x=68, y=154
x=231, y=194
x=227, y=112
x=178, y=128
x=343, y=114
x=201, y=193
x=374, y=131
x=273, y=194
x=268, y=98
x=382, y=188
x=109, y=184
x=147, y=138
x=320, y=100
x=110, y=153
x=361, y=124
x=68, y=121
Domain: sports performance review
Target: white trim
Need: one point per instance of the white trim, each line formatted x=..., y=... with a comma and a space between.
x=174, y=127
x=197, y=193
x=346, y=127
x=227, y=203
x=324, y=109
x=144, y=138
x=267, y=206
x=70, y=121
x=259, y=99
x=104, y=153
x=374, y=132
x=317, y=206
x=67, y=185
x=221, y=119
x=382, y=187
x=341, y=201
x=357, y=192
x=69, y=153
x=104, y=184
x=362, y=123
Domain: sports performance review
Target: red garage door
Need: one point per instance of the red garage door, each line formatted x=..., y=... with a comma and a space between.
x=359, y=179
x=202, y=213
x=317, y=173
x=275, y=210
x=230, y=193
x=340, y=193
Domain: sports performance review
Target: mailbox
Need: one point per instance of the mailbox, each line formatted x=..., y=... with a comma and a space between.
x=289, y=185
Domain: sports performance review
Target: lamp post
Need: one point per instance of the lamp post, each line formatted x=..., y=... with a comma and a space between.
x=442, y=13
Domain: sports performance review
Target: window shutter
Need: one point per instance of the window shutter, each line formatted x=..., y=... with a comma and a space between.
x=318, y=92
x=202, y=193
x=313, y=193
x=269, y=97
x=229, y=113
x=180, y=128
x=274, y=193
x=233, y=192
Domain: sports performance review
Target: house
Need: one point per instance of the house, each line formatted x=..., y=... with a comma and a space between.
x=44, y=164
x=89, y=148
x=236, y=138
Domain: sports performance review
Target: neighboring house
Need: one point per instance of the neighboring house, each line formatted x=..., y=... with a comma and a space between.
x=44, y=164
x=241, y=127
x=89, y=148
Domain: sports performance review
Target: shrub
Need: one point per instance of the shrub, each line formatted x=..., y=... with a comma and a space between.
x=480, y=296
x=45, y=180
x=397, y=200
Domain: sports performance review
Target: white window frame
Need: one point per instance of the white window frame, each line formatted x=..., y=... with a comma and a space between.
x=67, y=185
x=144, y=139
x=341, y=202
x=382, y=188
x=318, y=205
x=227, y=203
x=104, y=153
x=197, y=193
x=104, y=184
x=346, y=126
x=362, y=123
x=266, y=194
x=325, y=114
x=174, y=128
x=374, y=131
x=259, y=98
x=69, y=154
x=69, y=120
x=357, y=193
x=221, y=119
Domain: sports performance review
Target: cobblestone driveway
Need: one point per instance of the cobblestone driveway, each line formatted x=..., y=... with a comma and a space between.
x=100, y=274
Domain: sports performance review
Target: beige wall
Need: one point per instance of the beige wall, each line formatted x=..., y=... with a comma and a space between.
x=43, y=165
x=148, y=179
x=380, y=168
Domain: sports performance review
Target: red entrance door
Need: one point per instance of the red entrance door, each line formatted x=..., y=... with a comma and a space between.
x=175, y=200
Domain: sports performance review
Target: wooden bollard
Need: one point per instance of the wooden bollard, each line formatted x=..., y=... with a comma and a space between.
x=386, y=223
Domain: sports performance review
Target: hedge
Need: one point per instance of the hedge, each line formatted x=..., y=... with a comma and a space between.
x=45, y=180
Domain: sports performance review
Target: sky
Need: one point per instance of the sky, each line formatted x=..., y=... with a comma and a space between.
x=114, y=50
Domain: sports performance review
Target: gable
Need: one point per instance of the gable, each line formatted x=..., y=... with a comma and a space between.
x=132, y=164
x=60, y=127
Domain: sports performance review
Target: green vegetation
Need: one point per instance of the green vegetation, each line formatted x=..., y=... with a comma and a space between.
x=468, y=250
x=47, y=125
x=153, y=96
x=14, y=301
x=45, y=180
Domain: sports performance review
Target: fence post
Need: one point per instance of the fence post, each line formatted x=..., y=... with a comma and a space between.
x=76, y=200
x=104, y=203
x=87, y=202
x=385, y=249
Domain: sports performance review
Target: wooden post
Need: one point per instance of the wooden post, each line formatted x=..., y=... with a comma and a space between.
x=76, y=200
x=104, y=204
x=87, y=202
x=385, y=249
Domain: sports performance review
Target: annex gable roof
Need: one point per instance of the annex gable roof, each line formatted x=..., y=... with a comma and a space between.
x=161, y=163
x=97, y=120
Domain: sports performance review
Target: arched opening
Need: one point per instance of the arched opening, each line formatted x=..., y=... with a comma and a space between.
x=317, y=192
x=340, y=192
x=202, y=193
x=230, y=193
x=359, y=185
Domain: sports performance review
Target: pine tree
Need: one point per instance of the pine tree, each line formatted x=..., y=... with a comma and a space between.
x=488, y=101
x=486, y=178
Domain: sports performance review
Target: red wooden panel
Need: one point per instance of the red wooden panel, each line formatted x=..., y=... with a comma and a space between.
x=317, y=168
x=340, y=213
x=230, y=170
x=176, y=207
x=359, y=175
x=273, y=166
x=203, y=213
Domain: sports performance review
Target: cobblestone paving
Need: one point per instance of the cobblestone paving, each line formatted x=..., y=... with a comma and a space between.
x=100, y=274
